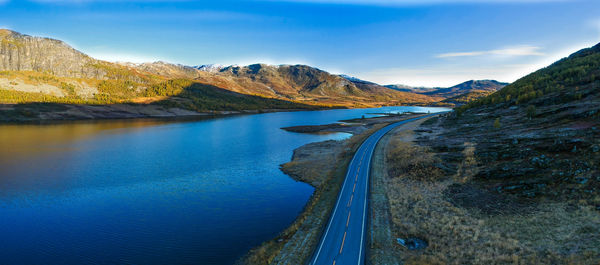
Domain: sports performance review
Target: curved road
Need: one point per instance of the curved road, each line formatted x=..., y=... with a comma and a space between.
x=343, y=241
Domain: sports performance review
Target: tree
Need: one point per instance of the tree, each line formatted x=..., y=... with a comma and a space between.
x=497, y=124
x=531, y=111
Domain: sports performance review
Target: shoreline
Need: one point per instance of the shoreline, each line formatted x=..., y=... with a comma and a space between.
x=52, y=113
x=322, y=165
x=56, y=113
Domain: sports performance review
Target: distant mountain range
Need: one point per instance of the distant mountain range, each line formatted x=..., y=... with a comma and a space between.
x=460, y=89
x=35, y=69
x=406, y=88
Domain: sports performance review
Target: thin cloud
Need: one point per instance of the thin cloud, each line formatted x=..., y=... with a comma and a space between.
x=449, y=75
x=105, y=1
x=417, y=2
x=439, y=76
x=122, y=57
x=513, y=51
x=197, y=15
x=595, y=24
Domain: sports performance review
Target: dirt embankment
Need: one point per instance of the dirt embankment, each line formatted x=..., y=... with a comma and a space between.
x=53, y=112
x=427, y=184
x=313, y=162
x=323, y=165
x=353, y=126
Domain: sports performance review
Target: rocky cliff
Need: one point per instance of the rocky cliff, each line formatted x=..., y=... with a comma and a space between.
x=20, y=52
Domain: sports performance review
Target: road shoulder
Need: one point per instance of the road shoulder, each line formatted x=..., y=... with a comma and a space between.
x=381, y=245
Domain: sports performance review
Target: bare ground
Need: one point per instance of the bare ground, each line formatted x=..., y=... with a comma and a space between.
x=56, y=112
x=381, y=244
x=431, y=195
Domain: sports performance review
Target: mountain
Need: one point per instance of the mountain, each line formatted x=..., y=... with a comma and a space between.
x=467, y=97
x=537, y=139
x=72, y=85
x=467, y=87
x=356, y=80
x=459, y=94
x=412, y=89
x=299, y=83
x=19, y=52
x=164, y=69
x=36, y=69
x=211, y=68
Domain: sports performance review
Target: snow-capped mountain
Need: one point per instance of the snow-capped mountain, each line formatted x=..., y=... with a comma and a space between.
x=211, y=68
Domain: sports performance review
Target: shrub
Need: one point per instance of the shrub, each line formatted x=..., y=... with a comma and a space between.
x=531, y=111
x=497, y=124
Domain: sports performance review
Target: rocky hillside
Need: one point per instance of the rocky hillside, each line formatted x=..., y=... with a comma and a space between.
x=514, y=176
x=538, y=138
x=22, y=53
x=465, y=98
x=19, y=52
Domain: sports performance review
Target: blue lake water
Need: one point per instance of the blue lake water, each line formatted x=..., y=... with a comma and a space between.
x=152, y=192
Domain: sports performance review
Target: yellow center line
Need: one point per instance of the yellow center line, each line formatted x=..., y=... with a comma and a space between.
x=350, y=202
x=334, y=262
x=343, y=240
x=354, y=187
x=348, y=221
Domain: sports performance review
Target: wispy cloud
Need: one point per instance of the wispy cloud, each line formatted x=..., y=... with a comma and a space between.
x=595, y=24
x=196, y=15
x=115, y=56
x=439, y=76
x=418, y=2
x=92, y=1
x=452, y=74
x=512, y=51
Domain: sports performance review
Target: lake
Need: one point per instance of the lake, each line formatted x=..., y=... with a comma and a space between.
x=151, y=191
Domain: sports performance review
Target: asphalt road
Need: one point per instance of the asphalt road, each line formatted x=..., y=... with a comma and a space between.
x=343, y=241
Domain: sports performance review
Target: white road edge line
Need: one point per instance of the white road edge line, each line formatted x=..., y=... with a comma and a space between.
x=336, y=206
x=378, y=137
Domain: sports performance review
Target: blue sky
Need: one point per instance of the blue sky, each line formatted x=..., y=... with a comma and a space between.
x=414, y=42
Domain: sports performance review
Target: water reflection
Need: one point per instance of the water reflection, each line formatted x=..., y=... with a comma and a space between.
x=151, y=192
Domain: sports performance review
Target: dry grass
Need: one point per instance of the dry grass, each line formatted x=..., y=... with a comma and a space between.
x=312, y=162
x=147, y=100
x=548, y=233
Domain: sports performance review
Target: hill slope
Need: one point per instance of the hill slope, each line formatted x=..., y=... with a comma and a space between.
x=519, y=169
x=540, y=136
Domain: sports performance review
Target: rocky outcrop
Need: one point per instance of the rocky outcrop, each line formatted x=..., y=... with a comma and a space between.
x=20, y=52
x=166, y=69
